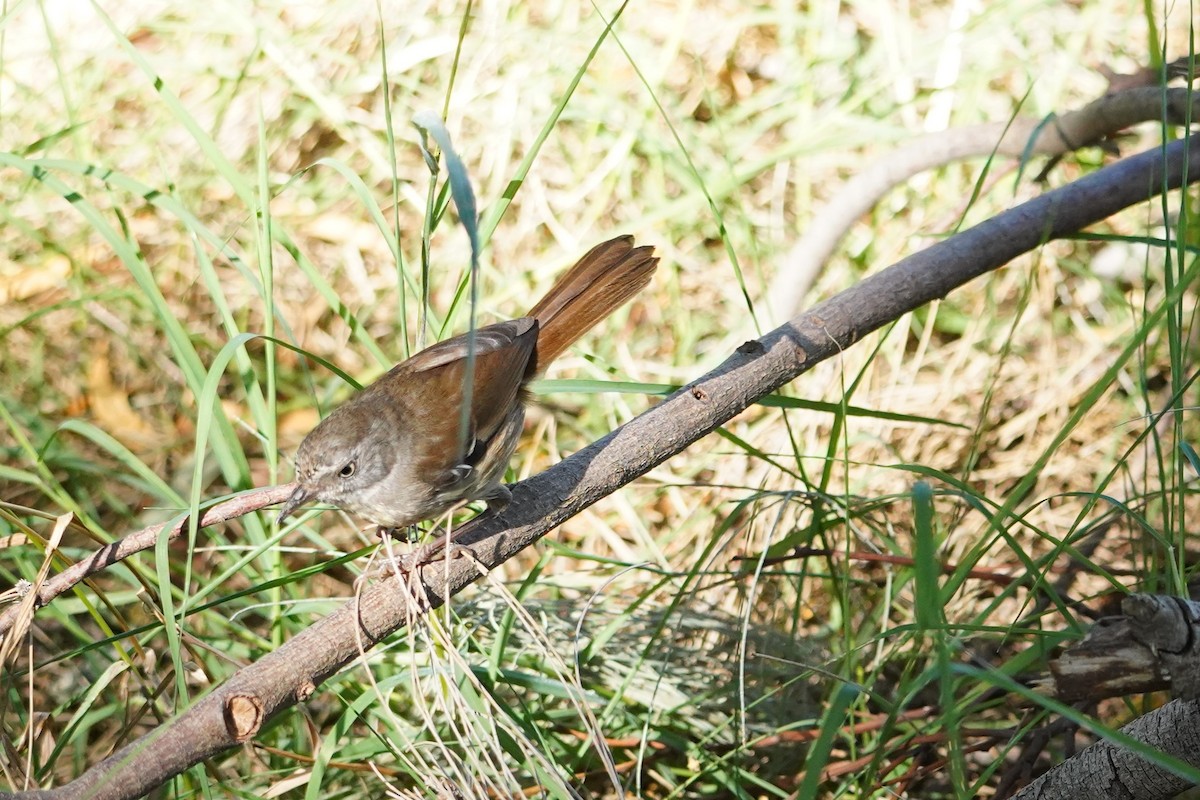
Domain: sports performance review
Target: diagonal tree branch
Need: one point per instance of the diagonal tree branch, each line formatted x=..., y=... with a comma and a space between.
x=235, y=711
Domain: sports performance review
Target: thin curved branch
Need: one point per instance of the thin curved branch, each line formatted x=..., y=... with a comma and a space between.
x=144, y=539
x=235, y=711
x=1021, y=138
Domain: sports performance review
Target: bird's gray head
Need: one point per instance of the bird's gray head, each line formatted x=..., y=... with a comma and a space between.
x=342, y=459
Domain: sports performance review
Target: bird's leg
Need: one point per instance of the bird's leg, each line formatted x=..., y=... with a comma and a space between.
x=390, y=563
x=497, y=499
x=410, y=533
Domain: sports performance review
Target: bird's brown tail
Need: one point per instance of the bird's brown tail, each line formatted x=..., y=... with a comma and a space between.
x=601, y=282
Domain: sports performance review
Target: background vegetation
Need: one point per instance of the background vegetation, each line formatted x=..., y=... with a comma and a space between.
x=746, y=620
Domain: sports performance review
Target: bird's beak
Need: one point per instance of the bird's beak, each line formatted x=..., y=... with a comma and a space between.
x=297, y=499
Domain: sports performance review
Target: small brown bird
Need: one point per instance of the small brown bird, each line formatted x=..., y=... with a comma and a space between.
x=395, y=453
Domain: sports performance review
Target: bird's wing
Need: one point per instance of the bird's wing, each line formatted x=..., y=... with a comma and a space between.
x=504, y=353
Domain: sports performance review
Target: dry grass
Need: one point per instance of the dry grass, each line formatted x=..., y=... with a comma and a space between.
x=708, y=128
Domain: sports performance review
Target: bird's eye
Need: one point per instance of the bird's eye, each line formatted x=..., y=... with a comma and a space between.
x=347, y=470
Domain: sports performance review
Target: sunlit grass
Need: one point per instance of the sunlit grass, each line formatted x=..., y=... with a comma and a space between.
x=191, y=182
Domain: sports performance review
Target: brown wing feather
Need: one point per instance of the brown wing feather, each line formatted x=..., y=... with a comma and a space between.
x=507, y=354
x=488, y=339
x=500, y=373
x=503, y=360
x=603, y=280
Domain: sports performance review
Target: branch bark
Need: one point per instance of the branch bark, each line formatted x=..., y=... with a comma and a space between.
x=1151, y=646
x=1109, y=769
x=235, y=712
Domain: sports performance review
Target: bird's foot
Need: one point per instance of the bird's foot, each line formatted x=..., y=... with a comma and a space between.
x=408, y=533
x=444, y=545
